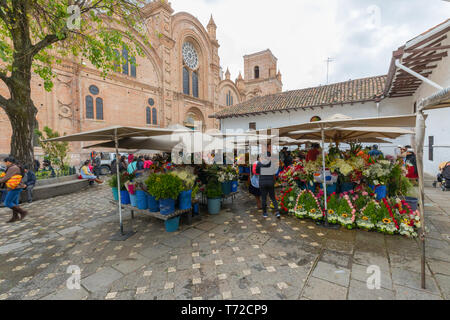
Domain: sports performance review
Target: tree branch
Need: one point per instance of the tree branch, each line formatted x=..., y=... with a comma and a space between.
x=5, y=78
x=48, y=40
x=3, y=102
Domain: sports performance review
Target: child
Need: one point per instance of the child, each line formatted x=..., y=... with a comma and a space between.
x=30, y=183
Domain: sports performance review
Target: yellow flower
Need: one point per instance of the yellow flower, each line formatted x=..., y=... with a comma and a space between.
x=386, y=220
x=405, y=221
x=300, y=207
x=330, y=211
x=345, y=215
x=365, y=218
x=313, y=211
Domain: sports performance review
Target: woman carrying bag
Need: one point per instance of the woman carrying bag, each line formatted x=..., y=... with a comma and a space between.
x=13, y=180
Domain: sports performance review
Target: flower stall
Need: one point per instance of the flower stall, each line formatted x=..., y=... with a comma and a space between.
x=370, y=194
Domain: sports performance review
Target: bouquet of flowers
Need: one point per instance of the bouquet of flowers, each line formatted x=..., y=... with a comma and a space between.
x=288, y=198
x=409, y=220
x=186, y=176
x=308, y=205
x=346, y=212
x=378, y=173
x=333, y=206
x=388, y=224
x=367, y=218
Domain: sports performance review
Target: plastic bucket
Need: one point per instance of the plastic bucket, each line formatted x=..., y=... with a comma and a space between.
x=413, y=202
x=311, y=187
x=196, y=209
x=226, y=187
x=142, y=202
x=172, y=224
x=115, y=193
x=214, y=206
x=166, y=206
x=153, y=205
x=381, y=192
x=124, y=197
x=234, y=186
x=185, y=200
x=331, y=188
x=133, y=200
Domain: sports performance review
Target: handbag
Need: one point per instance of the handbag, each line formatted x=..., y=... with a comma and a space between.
x=13, y=182
x=255, y=181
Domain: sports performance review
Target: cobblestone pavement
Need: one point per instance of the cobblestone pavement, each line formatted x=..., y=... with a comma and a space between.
x=234, y=255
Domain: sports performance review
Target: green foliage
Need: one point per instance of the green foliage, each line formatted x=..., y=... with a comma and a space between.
x=164, y=186
x=333, y=202
x=213, y=189
x=371, y=212
x=54, y=151
x=123, y=178
x=344, y=208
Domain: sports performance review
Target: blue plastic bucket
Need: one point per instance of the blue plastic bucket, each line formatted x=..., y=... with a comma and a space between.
x=115, y=193
x=226, y=187
x=196, y=209
x=153, y=205
x=381, y=192
x=124, y=197
x=234, y=186
x=172, y=224
x=185, y=200
x=166, y=206
x=142, y=202
x=311, y=187
x=331, y=188
x=214, y=206
x=133, y=200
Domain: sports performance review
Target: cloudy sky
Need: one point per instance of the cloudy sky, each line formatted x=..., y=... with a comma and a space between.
x=359, y=34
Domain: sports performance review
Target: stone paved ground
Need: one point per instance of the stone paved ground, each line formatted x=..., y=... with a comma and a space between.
x=234, y=255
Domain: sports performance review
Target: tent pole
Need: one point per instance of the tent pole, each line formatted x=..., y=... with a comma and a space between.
x=116, y=142
x=324, y=177
x=420, y=140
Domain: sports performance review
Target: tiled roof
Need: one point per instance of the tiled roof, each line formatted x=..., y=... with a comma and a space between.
x=352, y=91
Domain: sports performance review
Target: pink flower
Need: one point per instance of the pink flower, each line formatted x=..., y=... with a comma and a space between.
x=365, y=193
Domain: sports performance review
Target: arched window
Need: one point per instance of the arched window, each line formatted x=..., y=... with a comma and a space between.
x=256, y=72
x=117, y=67
x=155, y=116
x=229, y=99
x=195, y=84
x=148, y=115
x=185, y=81
x=125, y=64
x=89, y=107
x=99, y=108
x=133, y=67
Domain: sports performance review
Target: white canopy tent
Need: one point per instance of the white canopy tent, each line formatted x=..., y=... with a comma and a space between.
x=112, y=135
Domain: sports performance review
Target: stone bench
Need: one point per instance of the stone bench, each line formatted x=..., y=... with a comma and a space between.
x=46, y=191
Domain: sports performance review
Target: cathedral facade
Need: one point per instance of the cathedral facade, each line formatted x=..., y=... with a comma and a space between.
x=179, y=80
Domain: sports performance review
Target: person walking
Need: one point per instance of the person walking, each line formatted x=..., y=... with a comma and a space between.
x=97, y=163
x=13, y=180
x=253, y=187
x=267, y=183
x=30, y=183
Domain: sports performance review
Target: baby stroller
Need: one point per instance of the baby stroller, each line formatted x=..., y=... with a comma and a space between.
x=444, y=178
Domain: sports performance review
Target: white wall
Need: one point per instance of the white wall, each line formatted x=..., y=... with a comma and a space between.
x=388, y=107
x=438, y=121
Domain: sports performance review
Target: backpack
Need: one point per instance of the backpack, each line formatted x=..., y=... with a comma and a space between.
x=254, y=180
x=446, y=171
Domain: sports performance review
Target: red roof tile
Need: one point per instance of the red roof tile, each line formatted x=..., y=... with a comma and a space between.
x=352, y=91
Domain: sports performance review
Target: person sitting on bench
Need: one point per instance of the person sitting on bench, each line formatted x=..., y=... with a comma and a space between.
x=87, y=174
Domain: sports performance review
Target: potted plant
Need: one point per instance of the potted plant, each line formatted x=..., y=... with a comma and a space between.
x=196, y=205
x=214, y=194
x=141, y=193
x=113, y=184
x=124, y=195
x=166, y=188
x=188, y=179
x=152, y=203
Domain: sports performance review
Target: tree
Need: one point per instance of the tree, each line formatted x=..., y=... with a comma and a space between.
x=55, y=151
x=37, y=34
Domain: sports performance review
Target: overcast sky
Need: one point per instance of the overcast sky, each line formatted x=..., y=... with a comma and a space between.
x=359, y=34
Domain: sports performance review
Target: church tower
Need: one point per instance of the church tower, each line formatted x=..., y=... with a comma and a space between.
x=261, y=76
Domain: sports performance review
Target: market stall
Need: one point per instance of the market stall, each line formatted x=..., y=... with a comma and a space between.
x=338, y=122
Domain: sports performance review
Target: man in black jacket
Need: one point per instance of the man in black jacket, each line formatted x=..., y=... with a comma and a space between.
x=30, y=183
x=267, y=182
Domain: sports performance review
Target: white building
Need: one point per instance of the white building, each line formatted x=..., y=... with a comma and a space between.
x=396, y=93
